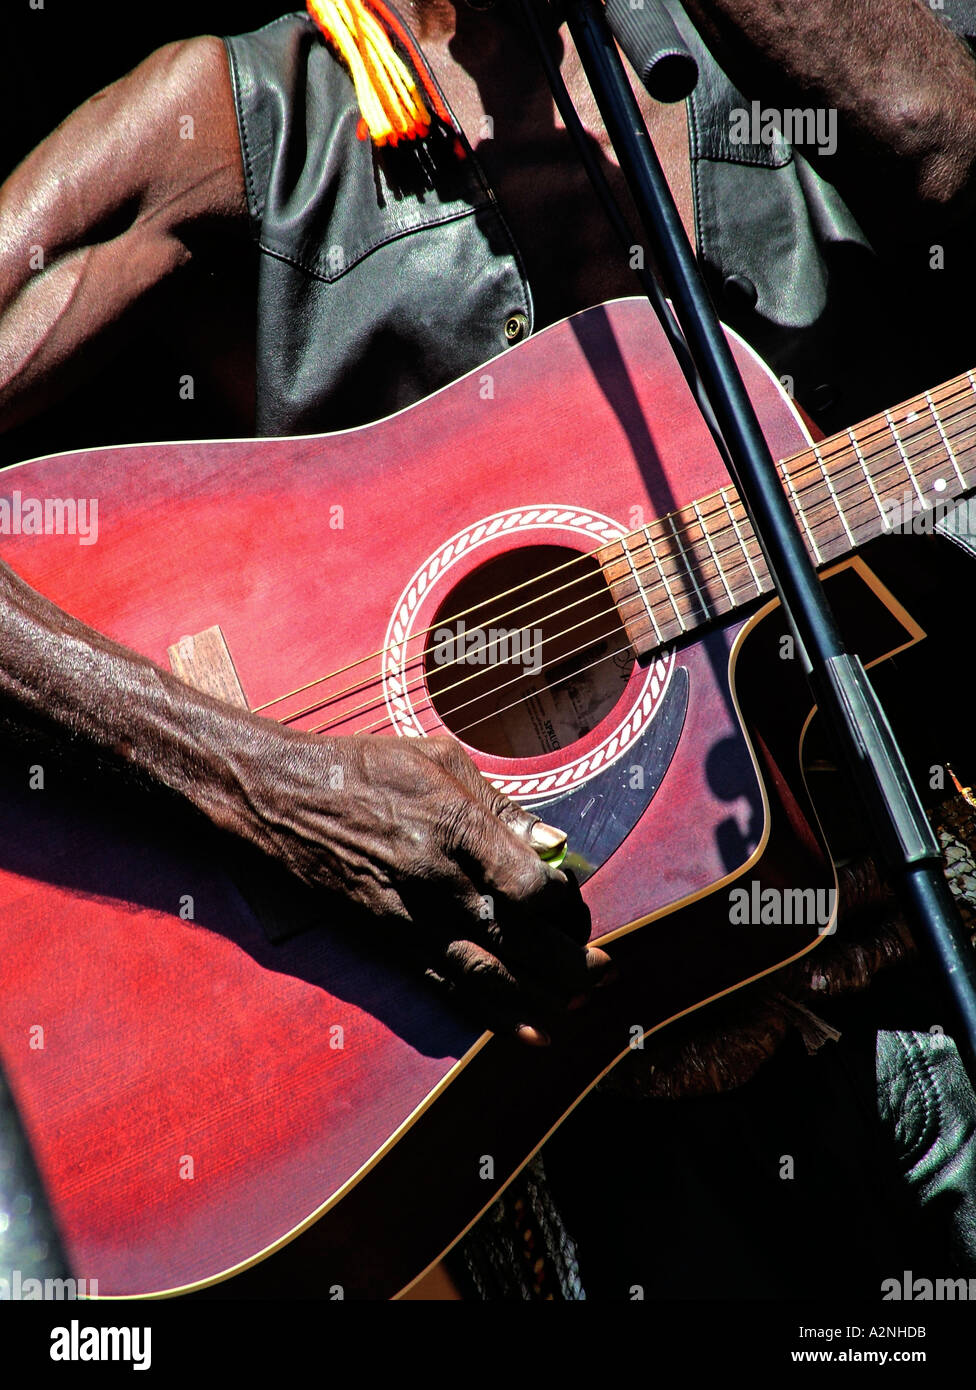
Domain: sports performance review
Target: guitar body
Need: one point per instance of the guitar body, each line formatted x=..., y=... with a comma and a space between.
x=201, y=1096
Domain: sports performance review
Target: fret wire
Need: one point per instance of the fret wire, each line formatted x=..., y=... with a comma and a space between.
x=686, y=557
x=671, y=577
x=865, y=499
x=877, y=424
x=931, y=472
x=689, y=554
x=661, y=635
x=882, y=431
x=950, y=392
x=799, y=511
x=688, y=568
x=841, y=451
x=850, y=465
x=703, y=555
x=823, y=515
x=708, y=542
x=742, y=544
x=681, y=553
x=818, y=518
x=966, y=447
x=928, y=461
x=695, y=549
x=730, y=565
x=647, y=598
x=664, y=578
x=928, y=456
x=893, y=448
x=674, y=625
x=919, y=446
x=945, y=441
x=743, y=541
x=867, y=473
x=905, y=459
x=972, y=383
x=858, y=463
x=882, y=425
x=640, y=589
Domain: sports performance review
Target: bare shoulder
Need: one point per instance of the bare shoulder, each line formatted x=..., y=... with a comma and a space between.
x=170, y=126
x=159, y=144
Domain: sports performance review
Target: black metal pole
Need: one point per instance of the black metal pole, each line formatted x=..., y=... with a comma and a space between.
x=840, y=687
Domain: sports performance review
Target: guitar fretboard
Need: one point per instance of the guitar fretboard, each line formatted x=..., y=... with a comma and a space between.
x=703, y=561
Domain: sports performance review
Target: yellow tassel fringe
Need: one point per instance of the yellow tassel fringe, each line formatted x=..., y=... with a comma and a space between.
x=390, y=101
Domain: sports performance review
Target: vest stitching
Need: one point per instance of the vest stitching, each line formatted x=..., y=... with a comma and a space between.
x=310, y=269
x=245, y=144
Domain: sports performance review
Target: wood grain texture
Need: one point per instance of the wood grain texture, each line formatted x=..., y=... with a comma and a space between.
x=177, y=1038
x=204, y=661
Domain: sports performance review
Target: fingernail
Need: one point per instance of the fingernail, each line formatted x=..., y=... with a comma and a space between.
x=535, y=1036
x=546, y=838
x=610, y=976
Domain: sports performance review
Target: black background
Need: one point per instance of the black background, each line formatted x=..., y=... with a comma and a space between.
x=56, y=57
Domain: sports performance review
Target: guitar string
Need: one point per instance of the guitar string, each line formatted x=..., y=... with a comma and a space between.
x=647, y=595
x=496, y=712
x=841, y=448
x=443, y=715
x=641, y=594
x=651, y=595
x=522, y=699
x=605, y=657
x=637, y=566
x=883, y=429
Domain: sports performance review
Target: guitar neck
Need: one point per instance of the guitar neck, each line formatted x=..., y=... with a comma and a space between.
x=898, y=471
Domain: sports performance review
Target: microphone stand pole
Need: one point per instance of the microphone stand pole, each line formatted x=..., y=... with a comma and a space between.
x=904, y=839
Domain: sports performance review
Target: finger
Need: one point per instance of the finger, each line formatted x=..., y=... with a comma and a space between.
x=547, y=840
x=527, y=892
x=561, y=970
x=482, y=983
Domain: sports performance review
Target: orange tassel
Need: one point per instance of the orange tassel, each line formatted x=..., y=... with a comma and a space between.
x=390, y=96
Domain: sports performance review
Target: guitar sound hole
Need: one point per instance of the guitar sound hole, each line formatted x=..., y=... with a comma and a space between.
x=528, y=653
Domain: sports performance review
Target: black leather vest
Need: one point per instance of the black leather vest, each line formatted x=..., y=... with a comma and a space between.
x=382, y=276
x=849, y=331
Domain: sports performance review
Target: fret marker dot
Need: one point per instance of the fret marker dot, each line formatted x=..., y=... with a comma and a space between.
x=911, y=417
x=939, y=484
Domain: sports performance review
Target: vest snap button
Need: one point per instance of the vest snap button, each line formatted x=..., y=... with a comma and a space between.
x=741, y=290
x=516, y=327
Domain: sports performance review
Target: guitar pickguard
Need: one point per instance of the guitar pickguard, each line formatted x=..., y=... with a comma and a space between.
x=598, y=816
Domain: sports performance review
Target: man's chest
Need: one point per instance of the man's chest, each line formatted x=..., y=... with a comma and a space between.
x=501, y=100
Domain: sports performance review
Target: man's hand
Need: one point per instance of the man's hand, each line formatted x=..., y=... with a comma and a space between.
x=411, y=833
x=406, y=830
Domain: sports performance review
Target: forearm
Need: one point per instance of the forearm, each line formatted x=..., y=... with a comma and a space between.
x=903, y=87
x=107, y=707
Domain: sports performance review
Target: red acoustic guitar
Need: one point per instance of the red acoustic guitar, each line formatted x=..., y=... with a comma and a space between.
x=210, y=1075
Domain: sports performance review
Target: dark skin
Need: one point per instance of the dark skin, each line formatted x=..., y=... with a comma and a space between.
x=127, y=212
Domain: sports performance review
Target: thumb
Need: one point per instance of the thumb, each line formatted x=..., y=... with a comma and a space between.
x=547, y=840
